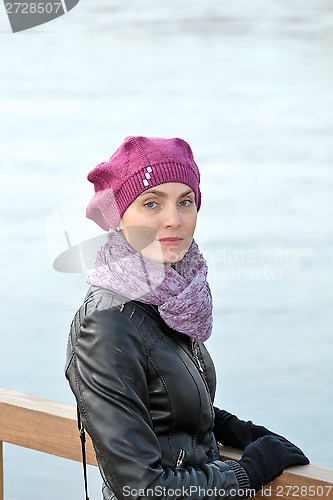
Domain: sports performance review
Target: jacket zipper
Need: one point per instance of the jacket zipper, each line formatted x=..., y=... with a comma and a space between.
x=181, y=458
x=195, y=354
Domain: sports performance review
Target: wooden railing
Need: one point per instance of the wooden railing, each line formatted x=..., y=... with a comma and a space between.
x=51, y=427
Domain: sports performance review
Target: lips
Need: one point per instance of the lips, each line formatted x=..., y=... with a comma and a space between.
x=171, y=240
x=175, y=238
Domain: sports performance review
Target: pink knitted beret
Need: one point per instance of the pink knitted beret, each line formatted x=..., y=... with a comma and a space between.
x=139, y=164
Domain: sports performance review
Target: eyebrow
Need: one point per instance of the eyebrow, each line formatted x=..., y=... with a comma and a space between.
x=165, y=195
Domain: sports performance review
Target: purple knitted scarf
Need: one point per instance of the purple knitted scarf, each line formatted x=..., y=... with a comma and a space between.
x=180, y=291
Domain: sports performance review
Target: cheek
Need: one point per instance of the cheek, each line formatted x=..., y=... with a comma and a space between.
x=138, y=229
x=134, y=217
x=191, y=223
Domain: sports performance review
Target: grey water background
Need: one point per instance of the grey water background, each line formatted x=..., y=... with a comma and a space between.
x=249, y=84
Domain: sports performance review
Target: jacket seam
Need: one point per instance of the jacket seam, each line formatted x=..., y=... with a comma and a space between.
x=195, y=435
x=163, y=380
x=205, y=379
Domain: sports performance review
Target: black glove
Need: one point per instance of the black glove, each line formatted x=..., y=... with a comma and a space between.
x=231, y=431
x=266, y=458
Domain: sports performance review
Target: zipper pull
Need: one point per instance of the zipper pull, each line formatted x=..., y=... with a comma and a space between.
x=181, y=458
x=195, y=354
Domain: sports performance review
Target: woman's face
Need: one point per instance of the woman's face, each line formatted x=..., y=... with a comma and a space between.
x=160, y=222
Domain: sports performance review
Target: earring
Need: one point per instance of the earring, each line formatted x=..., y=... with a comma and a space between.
x=118, y=229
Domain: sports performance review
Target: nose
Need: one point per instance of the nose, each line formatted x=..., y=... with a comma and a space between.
x=171, y=217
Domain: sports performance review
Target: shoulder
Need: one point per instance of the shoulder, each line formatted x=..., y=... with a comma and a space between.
x=108, y=335
x=109, y=315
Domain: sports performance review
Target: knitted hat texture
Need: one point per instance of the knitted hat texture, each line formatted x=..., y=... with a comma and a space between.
x=140, y=163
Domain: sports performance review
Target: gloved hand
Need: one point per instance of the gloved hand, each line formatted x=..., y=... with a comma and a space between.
x=231, y=431
x=266, y=458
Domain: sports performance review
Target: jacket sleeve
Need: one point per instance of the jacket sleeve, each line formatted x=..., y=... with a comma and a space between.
x=107, y=373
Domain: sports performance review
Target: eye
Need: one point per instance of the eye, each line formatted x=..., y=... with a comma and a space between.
x=185, y=203
x=150, y=204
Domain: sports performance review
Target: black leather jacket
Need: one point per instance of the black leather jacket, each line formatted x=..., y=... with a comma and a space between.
x=145, y=394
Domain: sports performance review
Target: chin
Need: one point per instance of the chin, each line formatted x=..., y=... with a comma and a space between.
x=173, y=256
x=165, y=259
x=169, y=255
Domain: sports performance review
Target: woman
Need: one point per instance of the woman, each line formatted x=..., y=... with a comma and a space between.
x=137, y=364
